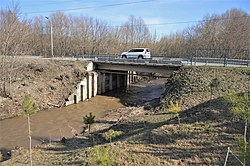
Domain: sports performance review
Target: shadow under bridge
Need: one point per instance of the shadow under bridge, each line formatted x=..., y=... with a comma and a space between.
x=113, y=75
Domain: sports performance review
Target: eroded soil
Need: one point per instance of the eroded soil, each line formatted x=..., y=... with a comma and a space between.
x=49, y=82
x=153, y=136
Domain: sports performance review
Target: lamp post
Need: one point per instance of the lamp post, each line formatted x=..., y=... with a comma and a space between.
x=51, y=36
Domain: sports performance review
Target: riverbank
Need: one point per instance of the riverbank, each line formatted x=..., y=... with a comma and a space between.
x=153, y=136
x=49, y=82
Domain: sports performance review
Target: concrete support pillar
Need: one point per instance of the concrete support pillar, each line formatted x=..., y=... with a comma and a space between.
x=118, y=82
x=132, y=77
x=85, y=89
x=103, y=83
x=81, y=92
x=110, y=81
x=128, y=79
x=125, y=80
x=90, y=85
x=87, y=81
x=94, y=84
x=99, y=83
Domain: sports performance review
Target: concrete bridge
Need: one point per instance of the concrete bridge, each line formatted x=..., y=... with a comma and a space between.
x=108, y=75
x=147, y=66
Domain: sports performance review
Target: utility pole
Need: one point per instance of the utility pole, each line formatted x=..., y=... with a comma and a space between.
x=51, y=36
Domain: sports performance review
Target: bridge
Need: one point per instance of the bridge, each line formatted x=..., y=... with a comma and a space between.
x=165, y=61
x=108, y=73
x=145, y=66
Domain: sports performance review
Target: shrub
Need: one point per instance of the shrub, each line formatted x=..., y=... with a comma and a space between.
x=111, y=134
x=175, y=108
x=101, y=156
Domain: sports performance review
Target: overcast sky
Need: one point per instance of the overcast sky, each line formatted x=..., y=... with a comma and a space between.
x=164, y=16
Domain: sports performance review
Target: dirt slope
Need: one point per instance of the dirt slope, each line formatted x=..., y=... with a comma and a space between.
x=191, y=84
x=154, y=137
x=49, y=83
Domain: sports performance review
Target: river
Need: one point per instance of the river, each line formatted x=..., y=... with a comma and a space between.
x=56, y=123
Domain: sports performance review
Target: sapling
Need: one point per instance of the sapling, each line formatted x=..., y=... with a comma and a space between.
x=89, y=120
x=29, y=108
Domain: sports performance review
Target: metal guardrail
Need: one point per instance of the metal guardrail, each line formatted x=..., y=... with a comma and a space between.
x=137, y=61
x=196, y=61
x=219, y=61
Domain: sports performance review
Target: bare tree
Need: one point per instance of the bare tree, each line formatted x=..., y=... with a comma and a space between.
x=135, y=33
x=14, y=39
x=80, y=35
x=39, y=41
x=214, y=34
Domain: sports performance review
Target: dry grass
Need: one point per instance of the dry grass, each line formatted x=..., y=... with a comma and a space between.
x=155, y=138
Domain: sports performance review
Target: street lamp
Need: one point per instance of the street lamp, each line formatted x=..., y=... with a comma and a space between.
x=51, y=36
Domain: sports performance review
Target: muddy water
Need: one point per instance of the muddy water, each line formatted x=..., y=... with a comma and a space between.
x=58, y=122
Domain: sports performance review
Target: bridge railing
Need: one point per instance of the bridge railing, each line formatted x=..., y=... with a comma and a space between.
x=136, y=61
x=198, y=61
x=218, y=61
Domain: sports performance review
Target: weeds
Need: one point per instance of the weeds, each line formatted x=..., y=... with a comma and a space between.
x=1, y=157
x=242, y=151
x=101, y=155
x=111, y=134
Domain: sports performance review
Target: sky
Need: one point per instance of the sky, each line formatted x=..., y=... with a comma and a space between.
x=163, y=16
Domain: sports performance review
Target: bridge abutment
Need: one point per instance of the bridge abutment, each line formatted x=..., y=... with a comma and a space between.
x=86, y=89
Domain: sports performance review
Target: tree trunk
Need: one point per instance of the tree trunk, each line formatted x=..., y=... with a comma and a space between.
x=11, y=73
x=3, y=75
x=179, y=120
x=30, y=152
x=89, y=128
x=245, y=142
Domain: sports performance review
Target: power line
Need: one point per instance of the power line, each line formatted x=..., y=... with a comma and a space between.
x=186, y=22
x=92, y=7
x=42, y=3
x=137, y=2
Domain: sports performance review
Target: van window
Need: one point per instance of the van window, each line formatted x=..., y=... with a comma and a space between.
x=138, y=50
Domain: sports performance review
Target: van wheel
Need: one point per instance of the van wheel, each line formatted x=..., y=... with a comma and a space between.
x=140, y=57
x=124, y=56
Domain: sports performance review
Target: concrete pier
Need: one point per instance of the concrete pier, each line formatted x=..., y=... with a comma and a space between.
x=86, y=89
x=108, y=80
